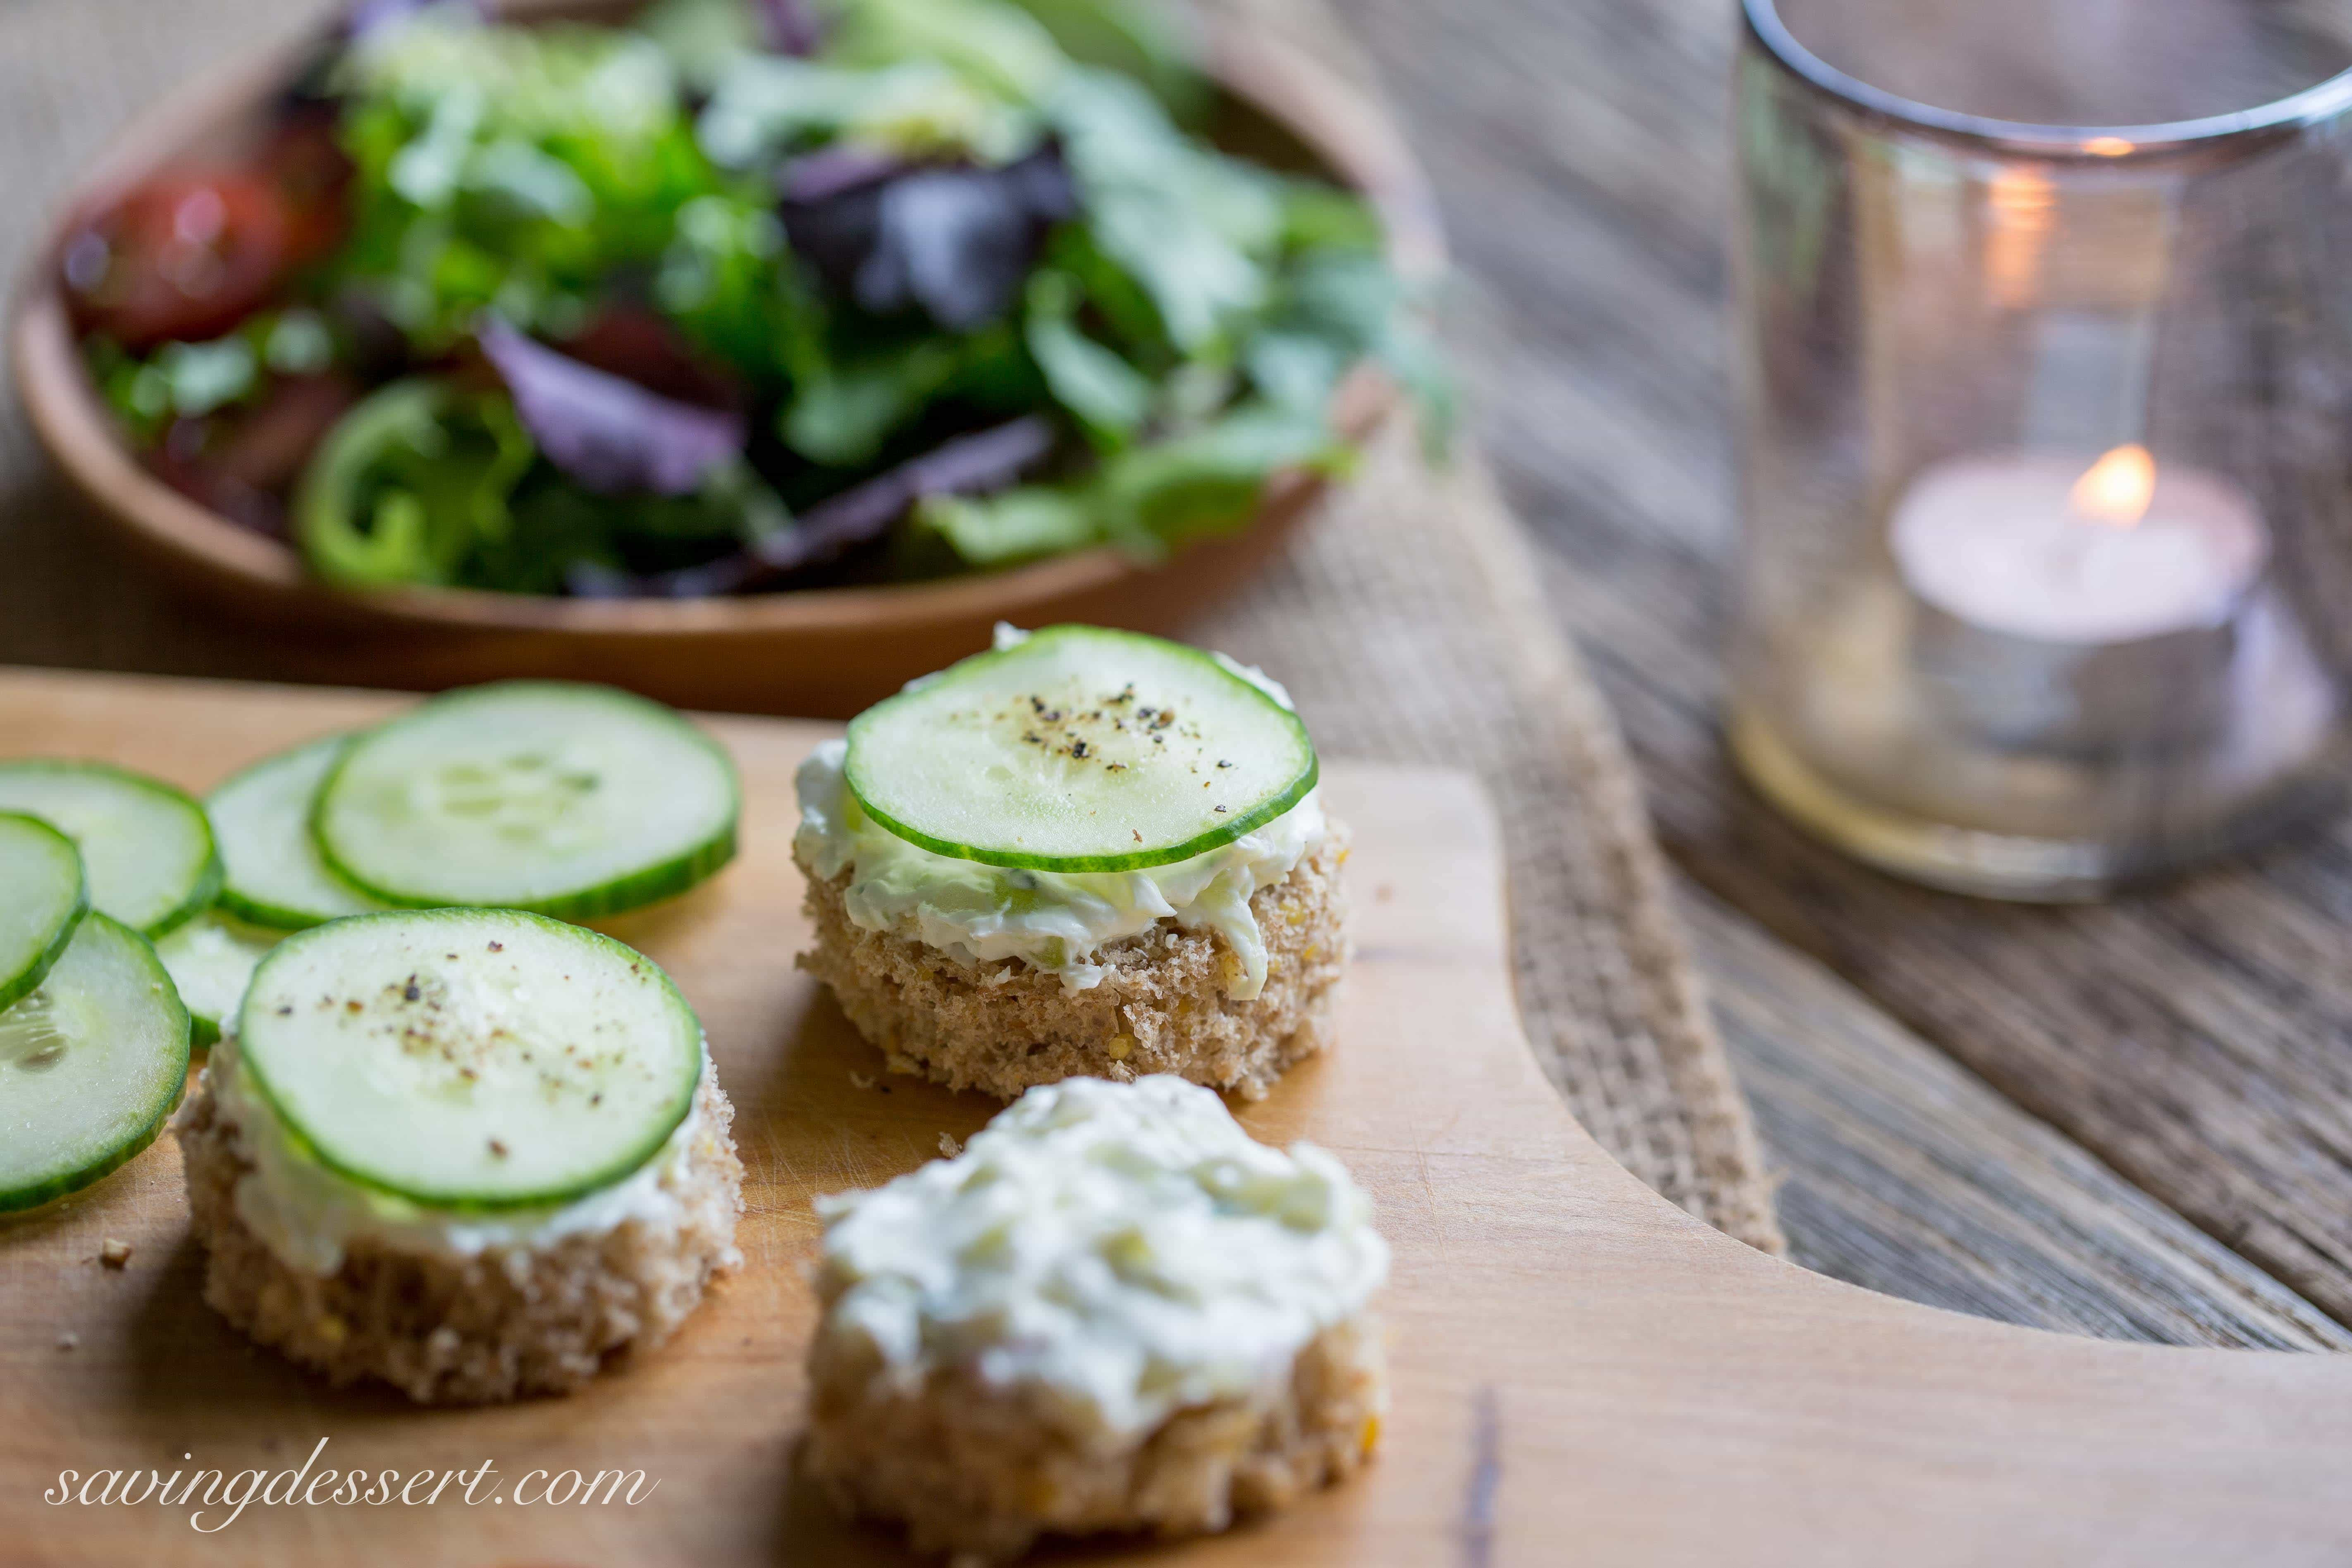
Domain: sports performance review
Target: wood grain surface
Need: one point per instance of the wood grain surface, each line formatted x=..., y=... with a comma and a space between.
x=1919, y=1180
x=2192, y=1040
x=1575, y=1360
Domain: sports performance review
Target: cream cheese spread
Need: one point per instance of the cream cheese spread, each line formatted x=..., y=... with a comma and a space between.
x=307, y=1213
x=1057, y=921
x=1121, y=1250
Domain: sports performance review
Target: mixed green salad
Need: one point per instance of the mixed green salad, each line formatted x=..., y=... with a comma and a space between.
x=746, y=295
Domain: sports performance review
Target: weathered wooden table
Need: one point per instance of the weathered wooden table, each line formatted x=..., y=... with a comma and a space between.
x=2133, y=1121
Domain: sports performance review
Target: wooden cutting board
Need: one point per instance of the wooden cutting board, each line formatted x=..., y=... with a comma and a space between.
x=1582, y=1372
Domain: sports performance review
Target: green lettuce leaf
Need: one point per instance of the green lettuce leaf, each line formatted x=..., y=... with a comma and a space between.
x=1147, y=500
x=841, y=412
x=1024, y=524
x=766, y=106
x=1196, y=231
x=1209, y=481
x=1110, y=397
x=510, y=168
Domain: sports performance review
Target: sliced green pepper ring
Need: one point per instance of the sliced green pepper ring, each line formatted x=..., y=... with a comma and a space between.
x=403, y=488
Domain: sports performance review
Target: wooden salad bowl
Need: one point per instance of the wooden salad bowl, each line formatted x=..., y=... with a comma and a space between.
x=826, y=651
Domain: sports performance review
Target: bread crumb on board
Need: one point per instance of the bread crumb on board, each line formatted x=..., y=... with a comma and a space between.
x=114, y=1252
x=68, y=1340
x=949, y=1146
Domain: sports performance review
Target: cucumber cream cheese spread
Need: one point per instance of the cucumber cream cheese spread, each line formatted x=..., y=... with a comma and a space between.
x=1126, y=1248
x=1053, y=920
x=307, y=1213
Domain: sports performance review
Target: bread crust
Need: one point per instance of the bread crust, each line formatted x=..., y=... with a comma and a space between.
x=983, y=1472
x=452, y=1329
x=1003, y=1027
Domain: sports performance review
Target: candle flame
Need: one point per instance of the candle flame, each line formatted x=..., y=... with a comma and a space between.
x=2117, y=489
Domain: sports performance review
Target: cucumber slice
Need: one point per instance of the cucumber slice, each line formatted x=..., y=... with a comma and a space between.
x=1079, y=749
x=145, y=847
x=470, y=1059
x=573, y=801
x=45, y=899
x=211, y=961
x=90, y=1064
x=275, y=874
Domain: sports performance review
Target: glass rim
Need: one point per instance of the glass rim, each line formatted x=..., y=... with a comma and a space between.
x=2323, y=100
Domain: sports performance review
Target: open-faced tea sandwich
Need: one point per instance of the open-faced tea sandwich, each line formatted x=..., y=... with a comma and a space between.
x=1086, y=852
x=471, y=1153
x=1114, y=1310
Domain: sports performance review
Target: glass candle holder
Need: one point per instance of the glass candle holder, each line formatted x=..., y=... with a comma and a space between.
x=2045, y=370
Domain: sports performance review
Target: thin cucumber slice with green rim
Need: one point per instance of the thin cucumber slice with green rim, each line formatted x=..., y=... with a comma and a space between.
x=90, y=1064
x=146, y=847
x=276, y=876
x=571, y=801
x=211, y=960
x=42, y=899
x=470, y=1059
x=1080, y=749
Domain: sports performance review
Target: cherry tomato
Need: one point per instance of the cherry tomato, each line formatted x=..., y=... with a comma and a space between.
x=185, y=255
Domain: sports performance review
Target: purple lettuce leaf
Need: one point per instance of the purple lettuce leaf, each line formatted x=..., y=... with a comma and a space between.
x=790, y=27
x=362, y=17
x=836, y=171
x=609, y=435
x=956, y=241
x=977, y=464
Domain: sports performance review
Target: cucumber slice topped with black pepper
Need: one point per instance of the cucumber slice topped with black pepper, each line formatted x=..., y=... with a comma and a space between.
x=573, y=801
x=42, y=899
x=470, y=1059
x=275, y=874
x=1080, y=749
x=146, y=847
x=92, y=1062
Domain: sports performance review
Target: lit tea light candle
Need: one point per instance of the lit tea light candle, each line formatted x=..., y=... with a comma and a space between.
x=2072, y=608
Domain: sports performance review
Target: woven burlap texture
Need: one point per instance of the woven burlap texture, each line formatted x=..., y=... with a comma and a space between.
x=1409, y=627
x=1407, y=621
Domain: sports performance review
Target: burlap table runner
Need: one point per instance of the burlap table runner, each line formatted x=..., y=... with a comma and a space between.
x=1408, y=623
